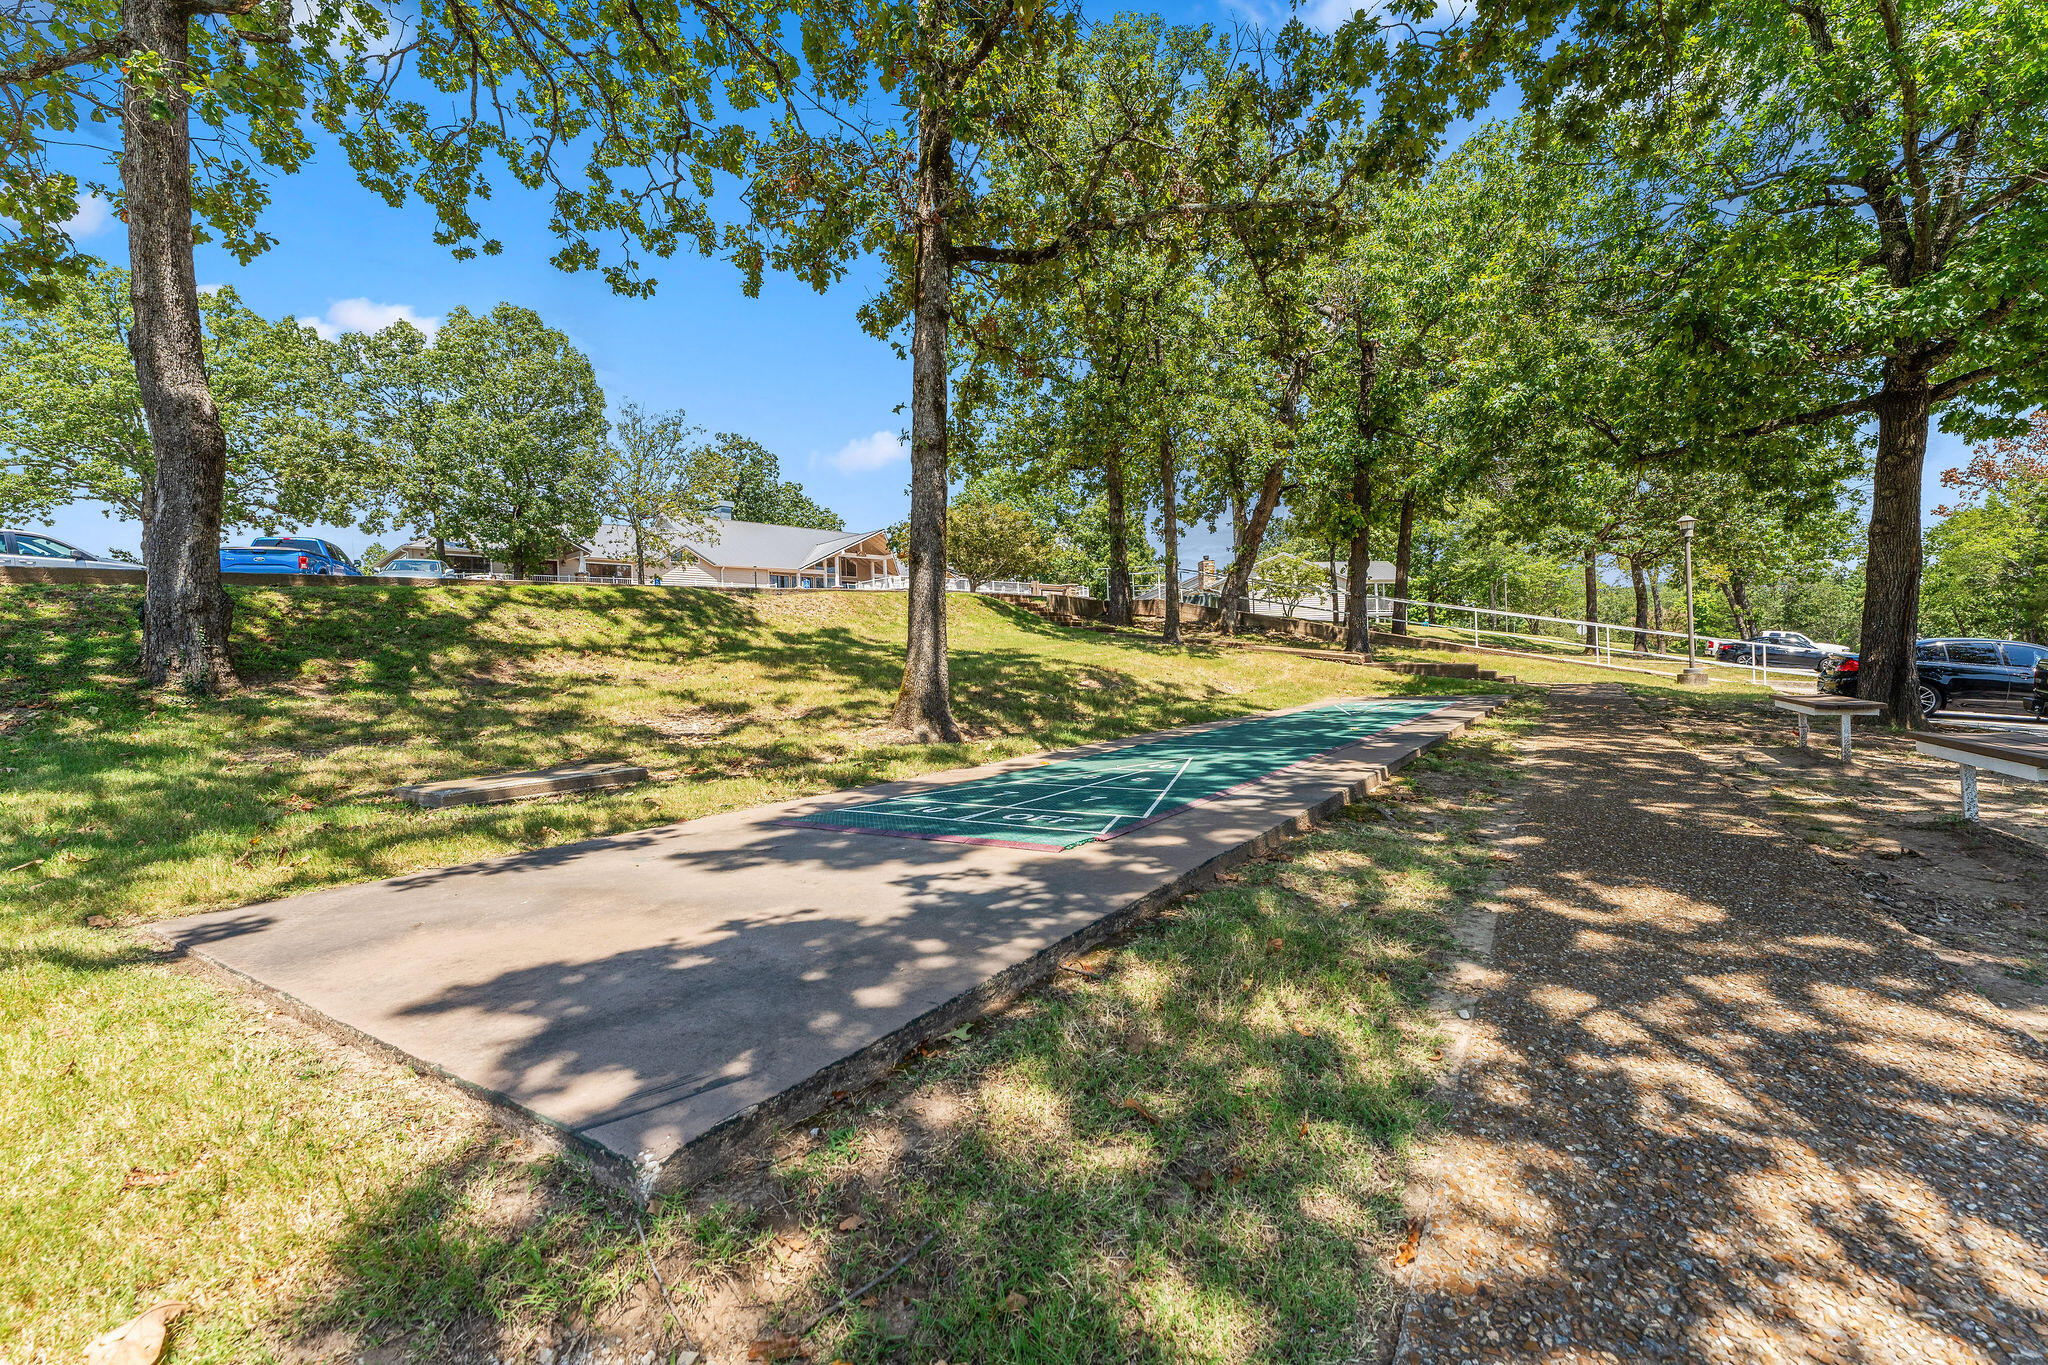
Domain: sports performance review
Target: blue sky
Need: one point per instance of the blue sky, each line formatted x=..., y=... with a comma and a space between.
x=790, y=368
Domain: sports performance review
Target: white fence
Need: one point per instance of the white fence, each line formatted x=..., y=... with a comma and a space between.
x=1602, y=634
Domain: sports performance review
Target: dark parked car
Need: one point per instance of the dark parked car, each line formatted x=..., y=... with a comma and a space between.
x=1779, y=648
x=1969, y=674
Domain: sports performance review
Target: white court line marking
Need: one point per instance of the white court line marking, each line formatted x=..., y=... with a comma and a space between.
x=1057, y=792
x=999, y=824
x=1155, y=800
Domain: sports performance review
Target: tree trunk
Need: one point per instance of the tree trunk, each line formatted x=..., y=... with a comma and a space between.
x=1233, y=478
x=1592, y=602
x=924, y=703
x=1336, y=589
x=1118, y=611
x=1169, y=478
x=1657, y=606
x=1357, y=618
x=1238, y=581
x=1891, y=573
x=1635, y=573
x=1737, y=593
x=639, y=557
x=1404, y=553
x=186, y=612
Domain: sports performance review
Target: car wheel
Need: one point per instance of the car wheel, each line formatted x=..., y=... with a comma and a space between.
x=1931, y=699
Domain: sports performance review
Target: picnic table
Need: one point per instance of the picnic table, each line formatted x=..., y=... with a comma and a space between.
x=1806, y=706
x=2021, y=756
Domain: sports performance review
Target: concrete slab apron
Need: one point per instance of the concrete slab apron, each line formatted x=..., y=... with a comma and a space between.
x=666, y=995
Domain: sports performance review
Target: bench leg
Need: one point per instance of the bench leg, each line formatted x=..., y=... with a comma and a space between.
x=1845, y=739
x=1969, y=793
x=1804, y=731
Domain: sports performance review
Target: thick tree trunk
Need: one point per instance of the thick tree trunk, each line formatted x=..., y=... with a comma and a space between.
x=924, y=703
x=1636, y=576
x=1169, y=478
x=1891, y=573
x=1358, y=568
x=1592, y=602
x=1404, y=553
x=1118, y=611
x=186, y=612
x=1657, y=606
x=639, y=557
x=1238, y=581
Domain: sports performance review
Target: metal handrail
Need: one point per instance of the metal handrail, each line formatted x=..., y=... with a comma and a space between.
x=1758, y=664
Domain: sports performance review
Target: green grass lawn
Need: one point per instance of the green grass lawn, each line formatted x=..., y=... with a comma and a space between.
x=163, y=1138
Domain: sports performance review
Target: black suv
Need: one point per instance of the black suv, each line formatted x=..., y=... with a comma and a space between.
x=1999, y=674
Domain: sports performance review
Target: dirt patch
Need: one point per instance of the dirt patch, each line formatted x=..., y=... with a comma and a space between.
x=1977, y=894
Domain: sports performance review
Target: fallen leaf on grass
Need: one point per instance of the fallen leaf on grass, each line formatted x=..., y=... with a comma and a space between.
x=774, y=1346
x=1276, y=943
x=1142, y=1112
x=851, y=1222
x=1013, y=1302
x=1409, y=1243
x=1304, y=1030
x=1304, y=1129
x=1236, y=1176
x=1203, y=1180
x=138, y=1341
x=98, y=922
x=139, y=1179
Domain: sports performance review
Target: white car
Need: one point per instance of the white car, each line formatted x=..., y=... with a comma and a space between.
x=35, y=550
x=414, y=568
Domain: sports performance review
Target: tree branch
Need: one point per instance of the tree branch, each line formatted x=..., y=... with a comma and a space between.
x=59, y=61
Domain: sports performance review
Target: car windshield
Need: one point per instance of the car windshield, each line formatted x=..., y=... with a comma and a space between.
x=416, y=565
x=46, y=546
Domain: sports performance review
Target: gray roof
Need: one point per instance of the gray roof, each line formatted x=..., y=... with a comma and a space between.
x=762, y=545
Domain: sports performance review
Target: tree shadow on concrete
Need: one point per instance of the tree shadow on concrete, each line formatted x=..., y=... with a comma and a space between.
x=1248, y=1192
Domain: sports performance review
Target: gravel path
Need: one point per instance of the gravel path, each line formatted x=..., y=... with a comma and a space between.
x=1714, y=1108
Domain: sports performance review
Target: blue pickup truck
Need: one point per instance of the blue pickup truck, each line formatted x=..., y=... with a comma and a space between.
x=288, y=554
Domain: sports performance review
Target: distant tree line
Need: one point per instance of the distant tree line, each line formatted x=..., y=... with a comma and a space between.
x=491, y=434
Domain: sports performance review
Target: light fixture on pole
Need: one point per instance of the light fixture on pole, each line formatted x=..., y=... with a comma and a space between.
x=1694, y=675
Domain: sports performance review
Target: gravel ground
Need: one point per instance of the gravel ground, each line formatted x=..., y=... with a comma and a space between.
x=1714, y=1108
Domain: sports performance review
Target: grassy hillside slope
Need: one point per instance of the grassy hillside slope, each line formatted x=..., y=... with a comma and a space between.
x=161, y=1138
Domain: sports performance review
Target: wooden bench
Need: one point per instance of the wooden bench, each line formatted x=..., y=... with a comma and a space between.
x=1807, y=707
x=2022, y=756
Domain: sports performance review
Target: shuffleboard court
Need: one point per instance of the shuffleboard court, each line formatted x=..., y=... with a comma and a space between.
x=1064, y=803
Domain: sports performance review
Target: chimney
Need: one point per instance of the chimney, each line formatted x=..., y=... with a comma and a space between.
x=722, y=509
x=1205, y=573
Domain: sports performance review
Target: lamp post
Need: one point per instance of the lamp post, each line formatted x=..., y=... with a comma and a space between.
x=1693, y=675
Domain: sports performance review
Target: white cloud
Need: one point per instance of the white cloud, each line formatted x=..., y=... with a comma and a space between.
x=869, y=452
x=361, y=315
x=94, y=216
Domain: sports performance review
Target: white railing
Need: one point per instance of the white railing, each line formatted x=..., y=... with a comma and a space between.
x=1758, y=664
